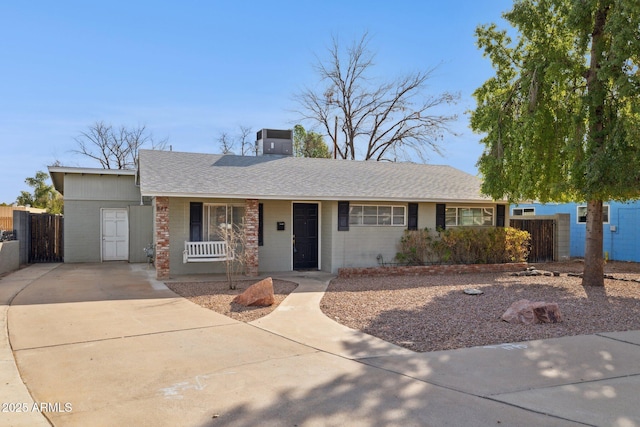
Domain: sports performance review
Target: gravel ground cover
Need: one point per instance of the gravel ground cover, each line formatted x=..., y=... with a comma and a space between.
x=429, y=313
x=216, y=296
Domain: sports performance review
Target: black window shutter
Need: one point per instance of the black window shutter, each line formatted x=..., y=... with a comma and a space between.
x=195, y=221
x=343, y=216
x=412, y=216
x=500, y=215
x=441, y=216
x=260, y=225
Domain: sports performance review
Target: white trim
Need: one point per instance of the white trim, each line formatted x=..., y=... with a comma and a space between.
x=378, y=206
x=493, y=215
x=91, y=171
x=608, y=221
x=206, y=211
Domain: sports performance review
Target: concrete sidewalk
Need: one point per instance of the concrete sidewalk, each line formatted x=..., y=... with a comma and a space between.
x=105, y=344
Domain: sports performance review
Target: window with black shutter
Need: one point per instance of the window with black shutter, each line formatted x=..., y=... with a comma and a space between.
x=260, y=225
x=441, y=216
x=412, y=216
x=500, y=215
x=195, y=221
x=343, y=216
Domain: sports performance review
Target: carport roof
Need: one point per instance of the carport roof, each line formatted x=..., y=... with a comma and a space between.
x=58, y=172
x=180, y=174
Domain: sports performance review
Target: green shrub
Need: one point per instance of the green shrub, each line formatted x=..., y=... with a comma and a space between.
x=415, y=247
x=464, y=245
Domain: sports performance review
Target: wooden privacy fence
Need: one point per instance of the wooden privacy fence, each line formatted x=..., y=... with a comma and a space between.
x=6, y=223
x=46, y=243
x=6, y=215
x=542, y=233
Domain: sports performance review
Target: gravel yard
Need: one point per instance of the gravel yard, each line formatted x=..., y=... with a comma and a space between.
x=428, y=313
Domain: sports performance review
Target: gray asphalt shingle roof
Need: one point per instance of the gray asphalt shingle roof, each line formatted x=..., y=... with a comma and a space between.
x=170, y=173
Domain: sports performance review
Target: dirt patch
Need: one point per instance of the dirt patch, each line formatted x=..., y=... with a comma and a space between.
x=217, y=296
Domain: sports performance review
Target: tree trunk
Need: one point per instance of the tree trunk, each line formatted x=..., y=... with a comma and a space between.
x=593, y=262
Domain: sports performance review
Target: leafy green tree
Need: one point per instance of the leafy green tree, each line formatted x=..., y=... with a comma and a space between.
x=309, y=144
x=561, y=116
x=44, y=196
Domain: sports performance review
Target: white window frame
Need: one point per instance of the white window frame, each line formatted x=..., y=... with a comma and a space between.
x=523, y=211
x=459, y=213
x=365, y=217
x=207, y=207
x=606, y=218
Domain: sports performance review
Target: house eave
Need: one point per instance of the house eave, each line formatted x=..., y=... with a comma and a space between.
x=323, y=198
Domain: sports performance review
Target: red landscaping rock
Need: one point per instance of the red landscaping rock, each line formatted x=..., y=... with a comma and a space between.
x=547, y=312
x=528, y=313
x=259, y=294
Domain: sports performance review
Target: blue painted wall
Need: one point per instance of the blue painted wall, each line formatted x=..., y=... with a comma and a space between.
x=621, y=233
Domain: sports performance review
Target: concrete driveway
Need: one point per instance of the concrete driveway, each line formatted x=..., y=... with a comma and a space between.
x=107, y=345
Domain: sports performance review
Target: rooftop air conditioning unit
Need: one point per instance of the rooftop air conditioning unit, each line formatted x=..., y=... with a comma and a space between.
x=273, y=141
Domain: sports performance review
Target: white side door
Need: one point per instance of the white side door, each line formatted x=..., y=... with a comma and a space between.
x=115, y=235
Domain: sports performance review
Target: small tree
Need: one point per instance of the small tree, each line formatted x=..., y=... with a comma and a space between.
x=235, y=239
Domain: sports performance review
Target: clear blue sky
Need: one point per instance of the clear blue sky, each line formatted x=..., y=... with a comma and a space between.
x=190, y=70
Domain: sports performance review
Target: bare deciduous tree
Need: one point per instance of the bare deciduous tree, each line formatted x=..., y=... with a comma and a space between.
x=235, y=239
x=115, y=148
x=227, y=143
x=247, y=146
x=380, y=120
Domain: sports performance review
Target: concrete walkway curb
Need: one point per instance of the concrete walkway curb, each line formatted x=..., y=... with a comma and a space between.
x=19, y=409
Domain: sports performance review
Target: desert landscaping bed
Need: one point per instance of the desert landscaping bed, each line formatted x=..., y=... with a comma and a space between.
x=216, y=296
x=431, y=312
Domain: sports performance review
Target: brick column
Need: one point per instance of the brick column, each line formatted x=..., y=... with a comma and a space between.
x=162, y=237
x=251, y=226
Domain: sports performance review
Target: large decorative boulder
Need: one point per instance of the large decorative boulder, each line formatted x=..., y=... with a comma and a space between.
x=259, y=294
x=528, y=313
x=547, y=312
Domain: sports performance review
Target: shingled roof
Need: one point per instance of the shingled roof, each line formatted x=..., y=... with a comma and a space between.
x=179, y=174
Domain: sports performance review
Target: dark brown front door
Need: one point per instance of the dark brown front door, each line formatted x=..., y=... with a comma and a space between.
x=305, y=235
